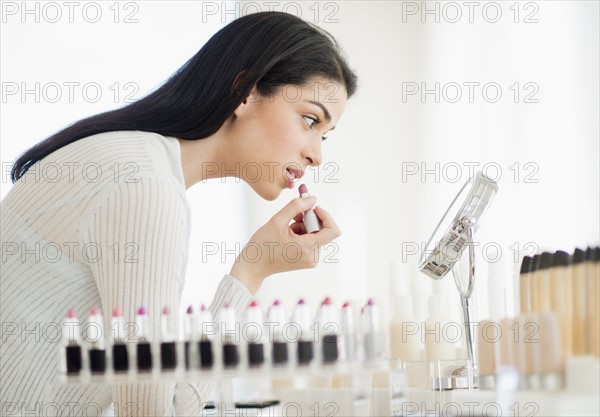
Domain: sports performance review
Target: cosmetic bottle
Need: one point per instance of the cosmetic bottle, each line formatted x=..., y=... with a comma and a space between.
x=405, y=344
x=301, y=317
x=231, y=354
x=524, y=284
x=253, y=335
x=533, y=351
x=551, y=362
x=120, y=355
x=96, y=349
x=487, y=336
x=544, y=282
x=562, y=298
x=523, y=334
x=329, y=329
x=71, y=342
x=579, y=302
x=593, y=300
x=533, y=283
x=348, y=331
x=190, y=334
x=276, y=317
x=143, y=346
x=505, y=356
x=438, y=334
x=205, y=345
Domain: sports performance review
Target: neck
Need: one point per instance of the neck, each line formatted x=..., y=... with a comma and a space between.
x=204, y=159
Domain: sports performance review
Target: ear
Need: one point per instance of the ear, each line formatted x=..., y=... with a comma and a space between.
x=248, y=103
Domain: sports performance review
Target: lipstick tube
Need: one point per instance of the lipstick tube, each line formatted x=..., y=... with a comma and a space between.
x=71, y=342
x=97, y=350
x=276, y=315
x=370, y=319
x=120, y=355
x=143, y=347
x=301, y=317
x=205, y=345
x=310, y=219
x=347, y=328
x=329, y=341
x=254, y=322
x=231, y=354
x=190, y=325
x=168, y=348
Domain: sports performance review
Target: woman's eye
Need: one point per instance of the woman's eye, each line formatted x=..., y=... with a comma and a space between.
x=310, y=121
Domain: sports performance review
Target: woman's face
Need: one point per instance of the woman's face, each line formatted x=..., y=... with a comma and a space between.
x=278, y=137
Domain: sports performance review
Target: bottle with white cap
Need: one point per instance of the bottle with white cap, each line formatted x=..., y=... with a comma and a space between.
x=439, y=334
x=405, y=343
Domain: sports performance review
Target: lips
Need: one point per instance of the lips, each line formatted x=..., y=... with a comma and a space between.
x=294, y=173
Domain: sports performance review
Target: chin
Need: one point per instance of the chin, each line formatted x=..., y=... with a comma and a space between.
x=269, y=192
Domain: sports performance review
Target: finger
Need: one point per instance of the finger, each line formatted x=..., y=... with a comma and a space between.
x=298, y=228
x=330, y=229
x=293, y=208
x=299, y=217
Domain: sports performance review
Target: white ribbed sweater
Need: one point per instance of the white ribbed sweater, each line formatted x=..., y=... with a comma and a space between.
x=103, y=221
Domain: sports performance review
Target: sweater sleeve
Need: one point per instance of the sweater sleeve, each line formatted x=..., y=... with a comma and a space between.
x=137, y=238
x=139, y=232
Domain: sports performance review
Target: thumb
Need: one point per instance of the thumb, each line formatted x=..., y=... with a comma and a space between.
x=293, y=208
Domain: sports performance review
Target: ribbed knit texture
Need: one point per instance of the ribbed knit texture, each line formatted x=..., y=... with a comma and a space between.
x=105, y=222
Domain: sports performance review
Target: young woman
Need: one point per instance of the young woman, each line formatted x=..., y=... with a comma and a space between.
x=98, y=214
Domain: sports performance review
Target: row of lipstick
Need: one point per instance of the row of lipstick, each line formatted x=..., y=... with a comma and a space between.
x=210, y=344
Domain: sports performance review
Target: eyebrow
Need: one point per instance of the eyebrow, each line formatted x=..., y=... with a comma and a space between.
x=325, y=111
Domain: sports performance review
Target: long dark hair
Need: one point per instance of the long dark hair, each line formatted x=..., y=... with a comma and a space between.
x=266, y=49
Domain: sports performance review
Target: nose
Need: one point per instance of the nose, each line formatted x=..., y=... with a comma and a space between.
x=313, y=155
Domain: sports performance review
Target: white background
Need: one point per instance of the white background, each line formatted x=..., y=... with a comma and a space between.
x=544, y=153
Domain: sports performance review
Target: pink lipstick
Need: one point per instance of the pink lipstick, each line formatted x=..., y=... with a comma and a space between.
x=328, y=327
x=280, y=348
x=305, y=344
x=311, y=221
x=205, y=347
x=97, y=352
x=120, y=356
x=72, y=343
x=168, y=350
x=144, y=348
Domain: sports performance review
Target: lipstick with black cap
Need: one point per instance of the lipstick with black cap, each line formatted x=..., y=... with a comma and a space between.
x=280, y=348
x=329, y=328
x=231, y=354
x=120, y=355
x=205, y=345
x=301, y=318
x=143, y=347
x=97, y=351
x=71, y=341
x=254, y=323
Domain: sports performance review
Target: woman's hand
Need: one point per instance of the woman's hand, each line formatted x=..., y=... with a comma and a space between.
x=279, y=246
